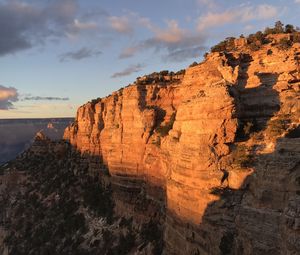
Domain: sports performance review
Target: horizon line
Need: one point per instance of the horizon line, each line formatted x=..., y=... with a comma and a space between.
x=36, y=118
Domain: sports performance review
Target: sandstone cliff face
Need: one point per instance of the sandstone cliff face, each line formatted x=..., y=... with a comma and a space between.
x=166, y=142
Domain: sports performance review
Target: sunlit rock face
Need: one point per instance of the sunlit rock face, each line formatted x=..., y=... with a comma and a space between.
x=212, y=150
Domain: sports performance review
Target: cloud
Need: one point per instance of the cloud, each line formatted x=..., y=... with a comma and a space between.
x=129, y=70
x=184, y=54
x=24, y=25
x=121, y=24
x=79, y=54
x=297, y=1
x=129, y=52
x=211, y=4
x=241, y=14
x=78, y=25
x=173, y=33
x=39, y=98
x=174, y=39
x=8, y=95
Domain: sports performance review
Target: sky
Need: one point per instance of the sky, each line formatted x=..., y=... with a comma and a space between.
x=56, y=55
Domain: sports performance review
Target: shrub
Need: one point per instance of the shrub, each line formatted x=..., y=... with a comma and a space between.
x=278, y=27
x=226, y=243
x=182, y=71
x=98, y=199
x=289, y=28
x=296, y=37
x=193, y=64
x=285, y=44
x=125, y=244
x=150, y=231
x=241, y=156
x=221, y=46
x=164, y=130
x=256, y=40
x=248, y=128
x=277, y=127
x=164, y=72
x=95, y=101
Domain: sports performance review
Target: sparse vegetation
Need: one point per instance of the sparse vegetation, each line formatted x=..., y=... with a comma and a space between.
x=96, y=198
x=193, y=64
x=95, y=101
x=246, y=129
x=162, y=77
x=285, y=44
x=276, y=127
x=164, y=130
x=151, y=232
x=242, y=157
x=255, y=41
x=62, y=209
x=180, y=72
x=226, y=45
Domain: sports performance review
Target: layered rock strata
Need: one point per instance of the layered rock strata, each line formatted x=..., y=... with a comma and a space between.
x=174, y=142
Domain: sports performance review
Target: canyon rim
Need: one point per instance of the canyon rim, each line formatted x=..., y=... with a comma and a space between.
x=202, y=161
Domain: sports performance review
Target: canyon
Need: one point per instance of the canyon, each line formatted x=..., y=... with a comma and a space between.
x=210, y=156
x=16, y=135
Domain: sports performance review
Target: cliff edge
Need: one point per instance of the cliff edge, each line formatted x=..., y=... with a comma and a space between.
x=216, y=149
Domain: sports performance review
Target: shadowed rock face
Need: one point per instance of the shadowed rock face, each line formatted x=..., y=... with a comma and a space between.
x=170, y=141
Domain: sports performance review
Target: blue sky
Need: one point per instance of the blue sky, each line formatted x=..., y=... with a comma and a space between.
x=58, y=54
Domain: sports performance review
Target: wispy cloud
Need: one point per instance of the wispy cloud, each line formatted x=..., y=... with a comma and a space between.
x=241, y=14
x=79, y=54
x=184, y=54
x=121, y=24
x=39, y=98
x=129, y=52
x=172, y=38
x=129, y=70
x=8, y=95
x=211, y=4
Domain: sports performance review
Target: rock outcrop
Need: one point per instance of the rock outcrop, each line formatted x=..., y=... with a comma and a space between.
x=169, y=141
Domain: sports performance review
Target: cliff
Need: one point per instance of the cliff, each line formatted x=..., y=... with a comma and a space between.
x=202, y=161
x=213, y=154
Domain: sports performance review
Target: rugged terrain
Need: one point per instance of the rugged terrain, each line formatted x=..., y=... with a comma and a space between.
x=207, y=159
x=16, y=135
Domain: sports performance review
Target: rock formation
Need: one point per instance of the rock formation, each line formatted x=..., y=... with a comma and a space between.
x=205, y=161
x=171, y=139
